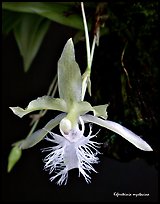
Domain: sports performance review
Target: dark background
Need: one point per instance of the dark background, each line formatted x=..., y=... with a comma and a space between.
x=123, y=168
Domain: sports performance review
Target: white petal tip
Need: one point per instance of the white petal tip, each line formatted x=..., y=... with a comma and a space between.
x=148, y=149
x=12, y=108
x=143, y=145
x=17, y=111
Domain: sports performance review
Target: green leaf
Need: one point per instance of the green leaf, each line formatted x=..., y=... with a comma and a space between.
x=9, y=20
x=41, y=103
x=119, y=129
x=14, y=156
x=69, y=76
x=29, y=33
x=59, y=12
x=38, y=135
x=100, y=111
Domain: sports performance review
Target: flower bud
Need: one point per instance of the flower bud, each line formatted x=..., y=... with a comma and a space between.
x=14, y=156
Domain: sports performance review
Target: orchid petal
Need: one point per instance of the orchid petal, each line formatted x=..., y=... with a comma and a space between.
x=44, y=102
x=84, y=107
x=100, y=111
x=37, y=136
x=119, y=129
x=69, y=76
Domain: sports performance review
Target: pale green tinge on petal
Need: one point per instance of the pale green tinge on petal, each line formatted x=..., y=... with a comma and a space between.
x=37, y=136
x=14, y=156
x=84, y=107
x=119, y=129
x=41, y=103
x=100, y=111
x=34, y=138
x=69, y=76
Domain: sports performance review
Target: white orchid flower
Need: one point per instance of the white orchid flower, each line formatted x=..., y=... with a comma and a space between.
x=73, y=149
x=70, y=92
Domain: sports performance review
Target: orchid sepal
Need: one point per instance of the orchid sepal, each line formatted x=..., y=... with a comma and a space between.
x=39, y=135
x=69, y=75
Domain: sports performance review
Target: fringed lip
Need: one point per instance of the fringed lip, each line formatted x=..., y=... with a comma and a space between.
x=69, y=153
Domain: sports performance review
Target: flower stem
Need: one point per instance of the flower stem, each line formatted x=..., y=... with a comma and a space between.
x=36, y=117
x=90, y=52
x=86, y=37
x=93, y=48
